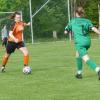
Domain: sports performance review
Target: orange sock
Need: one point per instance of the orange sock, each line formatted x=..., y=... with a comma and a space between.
x=4, y=60
x=26, y=60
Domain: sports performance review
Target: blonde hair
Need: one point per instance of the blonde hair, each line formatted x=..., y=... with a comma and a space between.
x=80, y=11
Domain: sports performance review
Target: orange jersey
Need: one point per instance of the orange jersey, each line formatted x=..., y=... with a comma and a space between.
x=17, y=28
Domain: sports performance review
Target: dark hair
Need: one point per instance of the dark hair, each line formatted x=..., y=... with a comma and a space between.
x=14, y=14
x=80, y=11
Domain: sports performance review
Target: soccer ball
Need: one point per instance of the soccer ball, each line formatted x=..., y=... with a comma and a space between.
x=27, y=70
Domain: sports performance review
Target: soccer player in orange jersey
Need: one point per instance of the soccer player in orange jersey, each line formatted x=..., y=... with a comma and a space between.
x=15, y=40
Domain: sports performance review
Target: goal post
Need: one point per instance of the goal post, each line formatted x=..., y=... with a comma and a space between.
x=71, y=6
x=34, y=14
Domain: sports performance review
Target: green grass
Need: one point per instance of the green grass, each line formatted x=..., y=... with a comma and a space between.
x=53, y=69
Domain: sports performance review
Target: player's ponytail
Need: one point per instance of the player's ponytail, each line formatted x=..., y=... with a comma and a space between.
x=14, y=14
x=80, y=11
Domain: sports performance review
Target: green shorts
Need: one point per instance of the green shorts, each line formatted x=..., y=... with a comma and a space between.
x=82, y=50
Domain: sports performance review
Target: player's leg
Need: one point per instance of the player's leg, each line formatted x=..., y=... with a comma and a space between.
x=4, y=61
x=9, y=49
x=79, y=65
x=87, y=60
x=25, y=52
x=83, y=54
x=26, y=55
x=92, y=64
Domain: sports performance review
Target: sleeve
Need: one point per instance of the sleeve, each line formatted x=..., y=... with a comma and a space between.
x=68, y=27
x=23, y=23
x=90, y=25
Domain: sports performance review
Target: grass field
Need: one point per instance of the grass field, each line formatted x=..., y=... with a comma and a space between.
x=52, y=78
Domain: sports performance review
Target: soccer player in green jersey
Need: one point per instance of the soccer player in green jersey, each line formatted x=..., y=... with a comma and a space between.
x=80, y=28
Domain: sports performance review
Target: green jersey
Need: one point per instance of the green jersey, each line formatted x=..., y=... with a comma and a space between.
x=80, y=28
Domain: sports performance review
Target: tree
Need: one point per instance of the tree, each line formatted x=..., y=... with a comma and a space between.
x=52, y=18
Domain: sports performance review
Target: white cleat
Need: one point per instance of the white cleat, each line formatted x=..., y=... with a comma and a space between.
x=2, y=69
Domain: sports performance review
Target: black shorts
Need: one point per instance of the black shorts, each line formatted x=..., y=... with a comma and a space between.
x=11, y=46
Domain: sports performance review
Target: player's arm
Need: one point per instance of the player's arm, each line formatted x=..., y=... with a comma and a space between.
x=65, y=32
x=12, y=36
x=95, y=30
x=27, y=24
x=67, y=28
x=12, y=28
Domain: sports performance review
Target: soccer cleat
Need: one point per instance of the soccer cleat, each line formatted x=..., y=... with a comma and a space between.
x=99, y=74
x=78, y=76
x=2, y=69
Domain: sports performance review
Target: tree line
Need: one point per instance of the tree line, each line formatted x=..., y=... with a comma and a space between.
x=53, y=17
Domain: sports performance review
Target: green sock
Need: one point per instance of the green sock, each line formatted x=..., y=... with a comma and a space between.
x=92, y=64
x=79, y=63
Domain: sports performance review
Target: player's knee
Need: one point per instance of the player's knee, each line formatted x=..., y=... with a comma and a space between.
x=6, y=55
x=26, y=53
x=85, y=58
